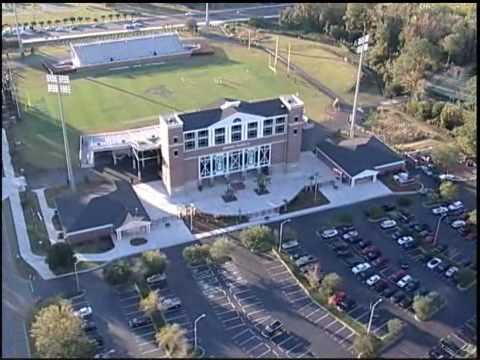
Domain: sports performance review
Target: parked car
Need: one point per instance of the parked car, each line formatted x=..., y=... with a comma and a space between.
x=397, y=234
x=439, y=210
x=388, y=292
x=84, y=312
x=170, y=303
x=432, y=264
x=350, y=234
x=442, y=267
x=96, y=339
x=388, y=207
x=373, y=255
x=369, y=249
x=340, y=245
x=289, y=244
x=458, y=224
x=403, y=264
x=364, y=275
x=296, y=253
x=410, y=245
x=380, y=286
x=404, y=281
x=372, y=280
x=380, y=262
x=361, y=267
x=345, y=228
x=272, y=328
x=388, y=224
x=351, y=262
x=330, y=233
x=354, y=239
x=452, y=270
x=447, y=177
x=364, y=243
x=405, y=302
x=304, y=260
x=404, y=239
x=441, y=248
x=397, y=275
x=343, y=253
x=88, y=325
x=412, y=286
x=397, y=297
x=436, y=353
x=139, y=321
x=156, y=278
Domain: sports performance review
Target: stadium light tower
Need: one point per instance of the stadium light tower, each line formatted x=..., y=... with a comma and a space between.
x=362, y=46
x=206, y=14
x=17, y=30
x=60, y=84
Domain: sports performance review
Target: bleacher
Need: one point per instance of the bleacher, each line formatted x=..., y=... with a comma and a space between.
x=129, y=49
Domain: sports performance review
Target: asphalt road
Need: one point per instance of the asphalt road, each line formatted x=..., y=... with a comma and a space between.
x=16, y=297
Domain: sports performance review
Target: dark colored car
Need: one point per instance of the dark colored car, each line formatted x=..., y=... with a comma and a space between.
x=343, y=253
x=88, y=325
x=422, y=291
x=296, y=253
x=364, y=243
x=397, y=297
x=340, y=245
x=346, y=304
x=388, y=292
x=437, y=353
x=403, y=264
x=380, y=286
x=370, y=248
x=366, y=274
x=442, y=247
x=397, y=275
x=425, y=233
x=139, y=321
x=272, y=328
x=345, y=228
x=373, y=255
x=351, y=262
x=397, y=234
x=412, y=286
x=380, y=262
x=388, y=207
x=424, y=258
x=410, y=245
x=354, y=239
x=406, y=302
x=97, y=339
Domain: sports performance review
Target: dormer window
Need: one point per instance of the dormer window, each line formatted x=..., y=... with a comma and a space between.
x=237, y=120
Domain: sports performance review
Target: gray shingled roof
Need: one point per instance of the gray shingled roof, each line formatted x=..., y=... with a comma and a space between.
x=358, y=154
x=204, y=118
x=81, y=211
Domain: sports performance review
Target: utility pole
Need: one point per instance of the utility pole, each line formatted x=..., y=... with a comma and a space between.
x=437, y=229
x=17, y=29
x=276, y=55
x=372, y=309
x=280, y=235
x=206, y=14
x=362, y=46
x=288, y=58
x=249, y=39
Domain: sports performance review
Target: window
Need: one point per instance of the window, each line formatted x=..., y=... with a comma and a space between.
x=264, y=155
x=280, y=120
x=202, y=139
x=237, y=120
x=295, y=119
x=251, y=158
x=175, y=139
x=205, y=167
x=189, y=135
x=220, y=136
x=267, y=127
x=235, y=161
x=279, y=129
x=175, y=153
x=252, y=130
x=189, y=145
x=295, y=132
x=236, y=133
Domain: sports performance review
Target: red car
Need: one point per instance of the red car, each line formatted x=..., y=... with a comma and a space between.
x=368, y=249
x=397, y=275
x=380, y=262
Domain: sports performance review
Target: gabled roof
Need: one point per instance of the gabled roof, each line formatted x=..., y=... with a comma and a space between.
x=110, y=205
x=358, y=154
x=204, y=118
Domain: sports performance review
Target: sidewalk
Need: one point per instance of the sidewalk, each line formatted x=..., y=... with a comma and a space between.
x=47, y=214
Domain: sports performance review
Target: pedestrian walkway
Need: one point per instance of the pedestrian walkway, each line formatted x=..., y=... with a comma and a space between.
x=47, y=214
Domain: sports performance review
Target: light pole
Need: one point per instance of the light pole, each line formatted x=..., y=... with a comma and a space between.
x=195, y=331
x=76, y=273
x=206, y=15
x=362, y=46
x=281, y=233
x=372, y=309
x=191, y=210
x=438, y=228
x=60, y=84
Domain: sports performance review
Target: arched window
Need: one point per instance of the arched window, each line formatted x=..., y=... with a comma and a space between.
x=237, y=120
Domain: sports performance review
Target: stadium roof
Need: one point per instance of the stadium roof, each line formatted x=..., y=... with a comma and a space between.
x=204, y=118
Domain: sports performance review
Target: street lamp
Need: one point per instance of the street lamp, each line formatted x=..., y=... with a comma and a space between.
x=191, y=210
x=281, y=233
x=438, y=228
x=362, y=46
x=372, y=309
x=75, y=259
x=195, y=331
x=60, y=84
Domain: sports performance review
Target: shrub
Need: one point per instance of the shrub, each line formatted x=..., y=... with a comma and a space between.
x=424, y=110
x=404, y=201
x=472, y=217
x=437, y=108
x=117, y=273
x=376, y=212
x=412, y=107
x=395, y=326
x=423, y=307
x=331, y=283
x=448, y=190
x=366, y=345
x=221, y=249
x=149, y=304
x=344, y=219
x=60, y=256
x=256, y=237
x=154, y=261
x=196, y=254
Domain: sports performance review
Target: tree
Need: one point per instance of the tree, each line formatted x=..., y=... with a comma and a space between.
x=451, y=117
x=65, y=20
x=103, y=18
x=314, y=276
x=110, y=16
x=171, y=339
x=41, y=23
x=256, y=237
x=117, y=273
x=149, y=304
x=191, y=25
x=125, y=15
x=57, y=21
x=95, y=20
x=60, y=256
x=154, y=261
x=448, y=190
x=33, y=24
x=366, y=345
x=221, y=249
x=423, y=306
x=446, y=156
x=57, y=333
x=472, y=217
x=466, y=135
x=118, y=16
x=395, y=326
x=72, y=19
x=87, y=19
x=356, y=18
x=49, y=22
x=262, y=183
x=79, y=19
x=331, y=283
x=437, y=108
x=196, y=254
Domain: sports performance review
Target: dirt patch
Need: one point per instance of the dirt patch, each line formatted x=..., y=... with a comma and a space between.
x=161, y=91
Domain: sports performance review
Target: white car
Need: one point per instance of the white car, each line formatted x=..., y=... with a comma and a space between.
x=404, y=240
x=388, y=224
x=447, y=177
x=451, y=271
x=170, y=303
x=458, y=224
x=432, y=264
x=372, y=280
x=457, y=205
x=404, y=281
x=402, y=178
x=439, y=210
x=330, y=233
x=350, y=234
x=156, y=278
x=361, y=267
x=83, y=312
x=426, y=170
x=189, y=13
x=289, y=244
x=304, y=260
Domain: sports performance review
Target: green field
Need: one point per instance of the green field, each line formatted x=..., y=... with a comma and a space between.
x=123, y=99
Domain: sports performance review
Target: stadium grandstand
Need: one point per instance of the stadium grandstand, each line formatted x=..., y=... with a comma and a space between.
x=136, y=49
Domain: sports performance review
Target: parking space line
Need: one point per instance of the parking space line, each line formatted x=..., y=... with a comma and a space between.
x=136, y=296
x=313, y=312
x=321, y=318
x=266, y=352
x=245, y=298
x=241, y=333
x=234, y=327
x=246, y=341
x=254, y=312
x=343, y=327
x=174, y=318
x=259, y=344
x=252, y=304
x=284, y=341
x=133, y=312
x=346, y=338
x=381, y=326
x=261, y=320
x=330, y=324
x=294, y=347
x=230, y=319
x=279, y=273
x=146, y=334
x=303, y=297
x=361, y=316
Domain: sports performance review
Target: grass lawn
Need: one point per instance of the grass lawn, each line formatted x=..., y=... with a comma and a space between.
x=132, y=98
x=27, y=12
x=36, y=229
x=326, y=64
x=305, y=200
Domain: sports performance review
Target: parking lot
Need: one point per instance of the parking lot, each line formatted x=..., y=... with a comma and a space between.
x=308, y=228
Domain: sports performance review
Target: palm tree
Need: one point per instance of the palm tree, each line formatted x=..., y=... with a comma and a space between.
x=33, y=24
x=41, y=23
x=125, y=15
x=103, y=18
x=87, y=19
x=95, y=20
x=79, y=19
x=118, y=16
x=110, y=16
x=149, y=304
x=58, y=21
x=49, y=22
x=72, y=19
x=171, y=339
x=65, y=20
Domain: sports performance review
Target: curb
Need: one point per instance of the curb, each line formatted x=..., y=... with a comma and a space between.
x=310, y=297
